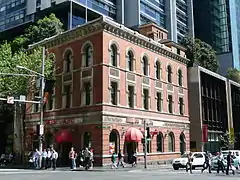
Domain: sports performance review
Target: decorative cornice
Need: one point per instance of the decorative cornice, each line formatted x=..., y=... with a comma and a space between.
x=111, y=27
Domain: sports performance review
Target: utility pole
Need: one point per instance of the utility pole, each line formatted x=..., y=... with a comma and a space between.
x=71, y=15
x=41, y=127
x=145, y=145
x=86, y=12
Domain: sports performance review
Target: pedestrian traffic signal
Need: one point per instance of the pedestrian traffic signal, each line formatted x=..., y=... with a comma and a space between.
x=42, y=138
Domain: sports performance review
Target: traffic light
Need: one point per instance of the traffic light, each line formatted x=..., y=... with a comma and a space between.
x=49, y=84
x=42, y=138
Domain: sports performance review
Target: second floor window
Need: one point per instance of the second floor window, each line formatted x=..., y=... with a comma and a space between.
x=87, y=89
x=88, y=56
x=130, y=61
x=68, y=61
x=158, y=70
x=170, y=104
x=113, y=55
x=181, y=106
x=180, y=77
x=67, y=94
x=131, y=96
x=169, y=74
x=159, y=101
x=145, y=99
x=114, y=93
x=145, y=66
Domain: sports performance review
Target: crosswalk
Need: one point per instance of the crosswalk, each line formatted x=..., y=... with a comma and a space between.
x=21, y=171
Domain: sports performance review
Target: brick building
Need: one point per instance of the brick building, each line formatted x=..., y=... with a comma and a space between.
x=108, y=79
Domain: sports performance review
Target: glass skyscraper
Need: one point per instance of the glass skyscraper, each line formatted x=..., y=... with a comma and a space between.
x=217, y=22
x=174, y=15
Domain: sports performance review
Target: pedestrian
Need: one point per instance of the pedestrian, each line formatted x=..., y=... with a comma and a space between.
x=44, y=159
x=49, y=161
x=36, y=157
x=91, y=158
x=189, y=163
x=113, y=160
x=220, y=160
x=54, y=159
x=134, y=160
x=72, y=157
x=120, y=159
x=229, y=163
x=207, y=163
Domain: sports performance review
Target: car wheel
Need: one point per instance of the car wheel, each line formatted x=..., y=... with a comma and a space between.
x=176, y=167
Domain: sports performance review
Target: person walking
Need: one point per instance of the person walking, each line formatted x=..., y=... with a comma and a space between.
x=229, y=163
x=189, y=163
x=120, y=159
x=72, y=157
x=113, y=159
x=44, y=159
x=36, y=157
x=220, y=162
x=207, y=163
x=54, y=159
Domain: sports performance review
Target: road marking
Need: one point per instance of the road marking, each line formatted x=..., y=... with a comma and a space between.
x=29, y=172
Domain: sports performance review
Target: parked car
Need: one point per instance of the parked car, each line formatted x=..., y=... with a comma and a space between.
x=214, y=162
x=198, y=160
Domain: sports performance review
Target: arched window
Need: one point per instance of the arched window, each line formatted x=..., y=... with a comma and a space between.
x=115, y=140
x=130, y=60
x=180, y=77
x=182, y=144
x=169, y=74
x=113, y=51
x=145, y=66
x=68, y=61
x=88, y=56
x=159, y=142
x=171, y=142
x=158, y=70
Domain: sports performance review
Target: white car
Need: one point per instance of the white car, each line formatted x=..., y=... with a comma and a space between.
x=198, y=160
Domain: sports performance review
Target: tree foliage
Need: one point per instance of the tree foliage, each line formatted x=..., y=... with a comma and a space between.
x=17, y=85
x=233, y=74
x=14, y=53
x=44, y=28
x=200, y=53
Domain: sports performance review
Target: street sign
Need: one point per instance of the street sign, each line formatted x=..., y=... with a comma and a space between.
x=41, y=129
x=10, y=100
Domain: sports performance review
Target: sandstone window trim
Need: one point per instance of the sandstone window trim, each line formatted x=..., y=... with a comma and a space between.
x=87, y=54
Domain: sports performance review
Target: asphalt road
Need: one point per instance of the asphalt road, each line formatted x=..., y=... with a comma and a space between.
x=131, y=174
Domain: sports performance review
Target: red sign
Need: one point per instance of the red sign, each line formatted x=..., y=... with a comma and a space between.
x=205, y=133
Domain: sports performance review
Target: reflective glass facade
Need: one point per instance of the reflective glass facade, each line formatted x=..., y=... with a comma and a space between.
x=152, y=11
x=182, y=19
x=12, y=13
x=105, y=7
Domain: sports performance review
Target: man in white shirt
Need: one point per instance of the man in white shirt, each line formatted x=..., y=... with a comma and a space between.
x=36, y=157
x=54, y=159
x=44, y=159
x=49, y=161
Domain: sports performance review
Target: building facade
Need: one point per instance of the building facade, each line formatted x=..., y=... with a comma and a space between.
x=109, y=79
x=218, y=100
x=217, y=23
x=175, y=15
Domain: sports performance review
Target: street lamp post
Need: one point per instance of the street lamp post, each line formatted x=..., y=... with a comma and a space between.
x=41, y=94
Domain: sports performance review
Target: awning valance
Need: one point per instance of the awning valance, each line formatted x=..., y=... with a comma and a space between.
x=133, y=135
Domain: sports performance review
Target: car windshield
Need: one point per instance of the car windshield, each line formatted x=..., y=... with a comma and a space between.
x=184, y=156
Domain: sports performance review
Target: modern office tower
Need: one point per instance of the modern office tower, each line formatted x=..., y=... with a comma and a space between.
x=217, y=23
x=174, y=15
x=14, y=14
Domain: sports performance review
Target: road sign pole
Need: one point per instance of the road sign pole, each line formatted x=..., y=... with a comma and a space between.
x=41, y=103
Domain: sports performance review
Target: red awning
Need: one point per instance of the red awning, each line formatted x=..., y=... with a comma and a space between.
x=133, y=135
x=63, y=135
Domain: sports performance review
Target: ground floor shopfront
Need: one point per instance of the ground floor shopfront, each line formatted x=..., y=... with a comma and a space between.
x=107, y=134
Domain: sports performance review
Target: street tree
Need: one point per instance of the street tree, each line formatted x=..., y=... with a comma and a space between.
x=200, y=53
x=233, y=74
x=44, y=28
x=19, y=85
